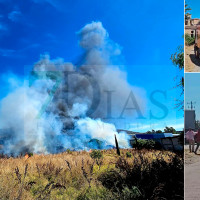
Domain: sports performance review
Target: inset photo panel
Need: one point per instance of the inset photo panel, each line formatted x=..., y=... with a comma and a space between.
x=192, y=135
x=192, y=36
x=92, y=99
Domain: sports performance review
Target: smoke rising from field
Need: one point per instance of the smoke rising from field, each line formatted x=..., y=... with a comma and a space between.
x=62, y=106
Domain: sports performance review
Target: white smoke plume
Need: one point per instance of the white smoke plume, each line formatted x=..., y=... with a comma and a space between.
x=62, y=106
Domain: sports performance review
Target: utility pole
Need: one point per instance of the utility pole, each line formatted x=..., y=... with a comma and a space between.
x=191, y=105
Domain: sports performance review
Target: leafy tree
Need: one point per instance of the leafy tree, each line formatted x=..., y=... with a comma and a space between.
x=153, y=131
x=178, y=60
x=187, y=10
x=148, y=132
x=169, y=130
x=178, y=57
x=145, y=144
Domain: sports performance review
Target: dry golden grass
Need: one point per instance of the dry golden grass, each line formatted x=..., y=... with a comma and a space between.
x=61, y=176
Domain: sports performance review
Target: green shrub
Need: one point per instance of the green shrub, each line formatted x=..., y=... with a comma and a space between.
x=112, y=180
x=96, y=154
x=69, y=151
x=128, y=154
x=131, y=194
x=152, y=179
x=95, y=193
x=30, y=154
x=189, y=40
x=146, y=144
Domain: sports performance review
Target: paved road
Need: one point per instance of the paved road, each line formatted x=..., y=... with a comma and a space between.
x=192, y=180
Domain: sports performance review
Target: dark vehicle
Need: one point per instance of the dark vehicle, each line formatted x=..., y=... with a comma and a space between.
x=197, y=42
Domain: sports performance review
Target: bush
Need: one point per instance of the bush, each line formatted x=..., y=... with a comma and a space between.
x=189, y=40
x=146, y=144
x=147, y=174
x=112, y=180
x=69, y=151
x=128, y=154
x=95, y=193
x=30, y=154
x=141, y=179
x=96, y=154
x=131, y=194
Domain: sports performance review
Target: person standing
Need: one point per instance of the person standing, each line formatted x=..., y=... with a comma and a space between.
x=197, y=140
x=190, y=137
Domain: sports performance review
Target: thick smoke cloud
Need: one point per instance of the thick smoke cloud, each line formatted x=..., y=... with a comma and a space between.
x=62, y=106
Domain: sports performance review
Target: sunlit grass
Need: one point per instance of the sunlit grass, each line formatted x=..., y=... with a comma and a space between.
x=69, y=175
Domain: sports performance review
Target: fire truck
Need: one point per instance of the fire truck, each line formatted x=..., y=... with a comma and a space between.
x=197, y=42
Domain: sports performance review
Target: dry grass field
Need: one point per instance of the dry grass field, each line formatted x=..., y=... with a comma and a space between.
x=136, y=174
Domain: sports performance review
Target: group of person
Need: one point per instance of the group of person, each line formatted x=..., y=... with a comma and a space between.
x=193, y=137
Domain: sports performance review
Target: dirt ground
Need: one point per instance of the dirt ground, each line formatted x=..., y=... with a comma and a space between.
x=191, y=158
x=192, y=64
x=192, y=175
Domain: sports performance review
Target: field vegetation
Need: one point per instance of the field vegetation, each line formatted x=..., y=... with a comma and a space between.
x=135, y=174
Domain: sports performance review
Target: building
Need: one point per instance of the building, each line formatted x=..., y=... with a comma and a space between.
x=190, y=25
x=190, y=118
x=168, y=141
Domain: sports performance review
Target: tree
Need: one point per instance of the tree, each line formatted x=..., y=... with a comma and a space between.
x=153, y=131
x=187, y=10
x=169, y=130
x=178, y=57
x=178, y=60
x=158, y=131
x=148, y=132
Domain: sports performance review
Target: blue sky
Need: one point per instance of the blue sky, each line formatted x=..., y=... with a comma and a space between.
x=148, y=32
x=194, y=5
x=192, y=89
